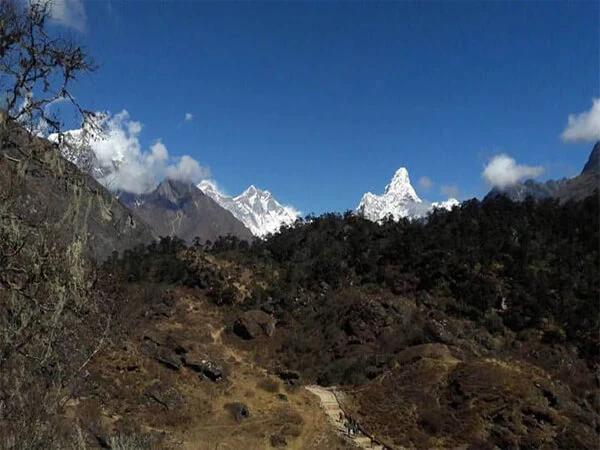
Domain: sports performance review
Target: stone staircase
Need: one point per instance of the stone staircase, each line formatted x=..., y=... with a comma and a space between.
x=337, y=417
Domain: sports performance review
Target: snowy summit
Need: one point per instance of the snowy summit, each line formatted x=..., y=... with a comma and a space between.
x=399, y=200
x=256, y=209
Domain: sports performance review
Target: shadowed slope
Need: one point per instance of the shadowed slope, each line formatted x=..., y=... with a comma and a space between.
x=180, y=209
x=43, y=187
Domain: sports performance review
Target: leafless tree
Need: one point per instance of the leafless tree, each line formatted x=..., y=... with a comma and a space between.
x=52, y=319
x=36, y=69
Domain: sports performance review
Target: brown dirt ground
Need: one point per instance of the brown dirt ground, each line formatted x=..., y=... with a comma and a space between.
x=131, y=392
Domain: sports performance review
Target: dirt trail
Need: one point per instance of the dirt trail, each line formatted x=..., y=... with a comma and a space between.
x=217, y=337
x=275, y=410
x=337, y=418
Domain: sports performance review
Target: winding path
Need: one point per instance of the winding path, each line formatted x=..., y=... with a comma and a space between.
x=337, y=417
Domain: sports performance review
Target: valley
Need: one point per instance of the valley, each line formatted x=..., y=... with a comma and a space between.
x=142, y=307
x=337, y=332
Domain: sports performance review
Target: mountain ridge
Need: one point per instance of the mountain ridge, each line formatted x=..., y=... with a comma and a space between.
x=593, y=163
x=177, y=208
x=564, y=189
x=257, y=209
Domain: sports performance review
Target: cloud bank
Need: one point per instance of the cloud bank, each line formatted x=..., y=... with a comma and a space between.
x=503, y=171
x=584, y=127
x=122, y=164
x=68, y=13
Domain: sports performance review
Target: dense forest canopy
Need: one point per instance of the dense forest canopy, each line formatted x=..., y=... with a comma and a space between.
x=523, y=265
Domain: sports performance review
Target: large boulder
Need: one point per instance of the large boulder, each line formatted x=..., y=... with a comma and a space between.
x=254, y=324
x=204, y=366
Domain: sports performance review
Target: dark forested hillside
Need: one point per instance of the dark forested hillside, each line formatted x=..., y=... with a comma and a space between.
x=425, y=317
x=524, y=263
x=528, y=262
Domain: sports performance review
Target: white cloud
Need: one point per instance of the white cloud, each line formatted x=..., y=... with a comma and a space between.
x=425, y=183
x=69, y=13
x=159, y=152
x=449, y=190
x=503, y=171
x=124, y=165
x=187, y=169
x=189, y=117
x=584, y=126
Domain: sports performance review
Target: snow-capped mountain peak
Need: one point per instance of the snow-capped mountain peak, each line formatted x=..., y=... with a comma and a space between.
x=400, y=186
x=250, y=190
x=209, y=188
x=399, y=200
x=255, y=208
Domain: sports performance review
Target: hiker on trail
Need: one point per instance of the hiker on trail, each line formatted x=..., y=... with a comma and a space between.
x=353, y=427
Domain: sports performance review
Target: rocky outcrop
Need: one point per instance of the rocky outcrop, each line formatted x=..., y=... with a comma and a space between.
x=254, y=324
x=203, y=367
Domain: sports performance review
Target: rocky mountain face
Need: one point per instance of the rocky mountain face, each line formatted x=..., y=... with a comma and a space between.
x=75, y=146
x=41, y=186
x=399, y=200
x=176, y=208
x=565, y=189
x=257, y=209
x=593, y=162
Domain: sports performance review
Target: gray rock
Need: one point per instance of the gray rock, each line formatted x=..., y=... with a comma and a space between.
x=253, y=324
x=204, y=367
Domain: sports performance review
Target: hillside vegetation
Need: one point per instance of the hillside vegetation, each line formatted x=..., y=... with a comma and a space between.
x=426, y=317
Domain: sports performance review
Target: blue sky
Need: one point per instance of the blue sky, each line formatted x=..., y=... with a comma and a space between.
x=320, y=102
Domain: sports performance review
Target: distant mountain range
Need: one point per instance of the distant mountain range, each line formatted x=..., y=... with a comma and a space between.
x=565, y=189
x=256, y=209
x=182, y=209
x=177, y=208
x=399, y=200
